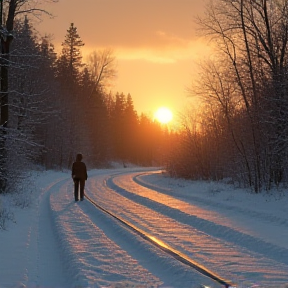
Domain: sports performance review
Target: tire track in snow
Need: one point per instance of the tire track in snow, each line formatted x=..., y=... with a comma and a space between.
x=274, y=252
x=92, y=257
x=253, y=214
x=94, y=250
x=169, y=250
x=261, y=267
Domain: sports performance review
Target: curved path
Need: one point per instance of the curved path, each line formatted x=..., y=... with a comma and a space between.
x=98, y=250
x=77, y=245
x=196, y=228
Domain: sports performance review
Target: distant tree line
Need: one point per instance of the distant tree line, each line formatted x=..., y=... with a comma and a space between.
x=241, y=132
x=59, y=106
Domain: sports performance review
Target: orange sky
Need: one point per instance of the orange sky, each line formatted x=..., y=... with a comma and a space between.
x=154, y=42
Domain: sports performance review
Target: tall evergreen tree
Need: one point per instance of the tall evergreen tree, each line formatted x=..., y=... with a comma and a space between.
x=70, y=61
x=117, y=126
x=68, y=72
x=130, y=125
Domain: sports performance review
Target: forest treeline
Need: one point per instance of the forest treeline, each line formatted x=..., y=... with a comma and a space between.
x=241, y=130
x=59, y=105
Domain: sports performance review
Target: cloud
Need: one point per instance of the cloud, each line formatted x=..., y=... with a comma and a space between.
x=172, y=51
x=127, y=24
x=154, y=42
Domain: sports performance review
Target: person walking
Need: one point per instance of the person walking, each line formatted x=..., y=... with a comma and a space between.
x=79, y=175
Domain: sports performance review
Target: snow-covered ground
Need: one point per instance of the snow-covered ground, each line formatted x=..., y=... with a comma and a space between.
x=56, y=242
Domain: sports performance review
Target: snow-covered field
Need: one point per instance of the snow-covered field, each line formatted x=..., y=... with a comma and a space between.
x=56, y=242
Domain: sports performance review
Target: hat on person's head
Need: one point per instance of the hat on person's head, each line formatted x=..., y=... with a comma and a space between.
x=79, y=157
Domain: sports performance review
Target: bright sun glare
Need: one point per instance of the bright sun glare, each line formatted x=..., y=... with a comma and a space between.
x=163, y=115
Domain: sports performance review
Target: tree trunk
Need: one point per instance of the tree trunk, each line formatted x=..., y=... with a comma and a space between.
x=6, y=39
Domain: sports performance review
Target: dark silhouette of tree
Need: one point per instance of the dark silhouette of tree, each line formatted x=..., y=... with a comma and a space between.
x=101, y=65
x=13, y=9
x=68, y=72
x=130, y=129
x=70, y=63
x=96, y=122
x=117, y=120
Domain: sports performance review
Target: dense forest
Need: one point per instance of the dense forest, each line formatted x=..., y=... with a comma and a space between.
x=55, y=105
x=241, y=132
x=59, y=106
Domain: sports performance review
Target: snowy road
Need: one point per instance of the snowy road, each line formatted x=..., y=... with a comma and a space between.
x=77, y=245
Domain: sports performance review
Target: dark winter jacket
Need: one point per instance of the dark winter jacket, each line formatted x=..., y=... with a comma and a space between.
x=79, y=170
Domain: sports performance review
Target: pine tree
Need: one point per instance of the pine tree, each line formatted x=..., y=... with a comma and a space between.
x=130, y=126
x=70, y=61
x=68, y=73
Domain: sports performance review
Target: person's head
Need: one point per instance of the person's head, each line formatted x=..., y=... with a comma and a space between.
x=79, y=157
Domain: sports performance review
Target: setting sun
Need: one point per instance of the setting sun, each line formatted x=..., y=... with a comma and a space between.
x=163, y=115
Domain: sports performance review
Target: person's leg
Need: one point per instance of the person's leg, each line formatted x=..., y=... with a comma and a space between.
x=82, y=185
x=76, y=189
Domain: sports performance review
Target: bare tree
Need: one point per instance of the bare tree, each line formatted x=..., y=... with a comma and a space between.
x=251, y=38
x=102, y=67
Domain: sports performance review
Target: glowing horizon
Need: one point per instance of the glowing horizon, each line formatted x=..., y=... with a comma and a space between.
x=156, y=58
